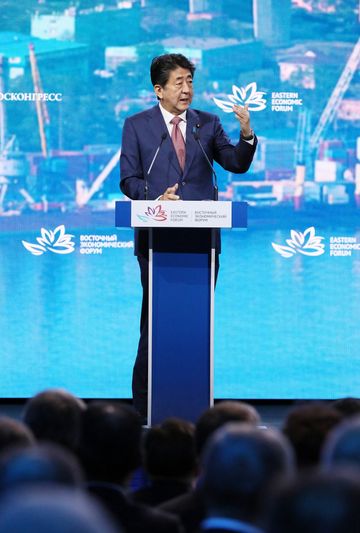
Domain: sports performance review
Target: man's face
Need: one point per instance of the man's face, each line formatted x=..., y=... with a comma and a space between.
x=177, y=94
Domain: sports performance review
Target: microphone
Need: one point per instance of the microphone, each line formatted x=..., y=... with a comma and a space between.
x=146, y=188
x=197, y=139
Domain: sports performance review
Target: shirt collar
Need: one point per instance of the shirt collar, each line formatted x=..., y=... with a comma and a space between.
x=230, y=524
x=169, y=116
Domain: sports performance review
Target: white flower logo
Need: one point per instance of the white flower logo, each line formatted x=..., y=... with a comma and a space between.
x=56, y=241
x=241, y=96
x=303, y=243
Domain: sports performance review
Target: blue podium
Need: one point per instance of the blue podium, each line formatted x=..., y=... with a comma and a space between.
x=182, y=255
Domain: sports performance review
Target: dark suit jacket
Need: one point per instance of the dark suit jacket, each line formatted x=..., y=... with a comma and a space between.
x=189, y=508
x=160, y=491
x=134, y=517
x=143, y=133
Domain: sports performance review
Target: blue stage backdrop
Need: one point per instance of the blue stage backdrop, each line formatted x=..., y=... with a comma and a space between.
x=287, y=299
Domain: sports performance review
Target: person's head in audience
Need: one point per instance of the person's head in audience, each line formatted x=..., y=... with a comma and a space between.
x=347, y=407
x=53, y=510
x=219, y=415
x=14, y=434
x=343, y=445
x=110, y=442
x=169, y=450
x=317, y=502
x=44, y=463
x=307, y=427
x=54, y=415
x=240, y=464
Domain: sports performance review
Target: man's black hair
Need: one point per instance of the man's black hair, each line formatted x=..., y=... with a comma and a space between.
x=54, y=415
x=219, y=415
x=110, y=441
x=307, y=427
x=169, y=449
x=161, y=66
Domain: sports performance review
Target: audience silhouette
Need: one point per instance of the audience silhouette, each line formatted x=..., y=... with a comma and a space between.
x=317, y=502
x=13, y=434
x=343, y=445
x=241, y=463
x=190, y=507
x=110, y=453
x=169, y=459
x=68, y=468
x=53, y=509
x=54, y=415
x=307, y=427
x=40, y=464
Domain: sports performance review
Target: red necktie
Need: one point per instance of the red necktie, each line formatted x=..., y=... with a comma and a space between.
x=178, y=141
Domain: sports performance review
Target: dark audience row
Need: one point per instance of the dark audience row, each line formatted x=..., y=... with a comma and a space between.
x=71, y=467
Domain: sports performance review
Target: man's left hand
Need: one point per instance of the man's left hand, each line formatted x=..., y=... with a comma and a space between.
x=243, y=116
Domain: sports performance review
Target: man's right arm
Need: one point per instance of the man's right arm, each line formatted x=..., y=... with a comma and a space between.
x=131, y=172
x=132, y=182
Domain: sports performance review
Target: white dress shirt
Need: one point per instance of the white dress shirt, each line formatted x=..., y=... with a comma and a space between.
x=169, y=116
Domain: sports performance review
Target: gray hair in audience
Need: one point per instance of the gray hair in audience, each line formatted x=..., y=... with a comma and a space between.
x=317, y=502
x=47, y=463
x=343, y=445
x=53, y=509
x=240, y=463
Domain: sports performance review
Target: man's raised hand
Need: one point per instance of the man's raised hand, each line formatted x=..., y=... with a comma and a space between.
x=243, y=116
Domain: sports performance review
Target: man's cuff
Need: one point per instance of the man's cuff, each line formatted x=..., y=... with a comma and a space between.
x=248, y=138
x=250, y=141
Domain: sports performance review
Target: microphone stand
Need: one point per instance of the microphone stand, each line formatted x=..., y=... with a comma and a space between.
x=215, y=183
x=146, y=186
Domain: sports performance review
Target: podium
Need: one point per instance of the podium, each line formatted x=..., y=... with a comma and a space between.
x=183, y=238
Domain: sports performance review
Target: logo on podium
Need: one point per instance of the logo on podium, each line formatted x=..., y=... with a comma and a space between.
x=156, y=213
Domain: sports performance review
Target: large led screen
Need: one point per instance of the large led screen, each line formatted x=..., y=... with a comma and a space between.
x=288, y=293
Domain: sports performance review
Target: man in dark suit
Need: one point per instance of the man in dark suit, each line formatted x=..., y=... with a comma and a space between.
x=161, y=158
x=110, y=453
x=190, y=507
x=169, y=460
